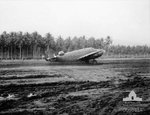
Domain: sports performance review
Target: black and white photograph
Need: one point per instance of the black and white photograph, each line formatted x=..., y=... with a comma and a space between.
x=74, y=57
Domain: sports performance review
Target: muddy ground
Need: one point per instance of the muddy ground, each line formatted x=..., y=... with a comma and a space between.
x=35, y=87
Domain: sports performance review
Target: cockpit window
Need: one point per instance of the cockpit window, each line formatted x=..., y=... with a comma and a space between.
x=61, y=53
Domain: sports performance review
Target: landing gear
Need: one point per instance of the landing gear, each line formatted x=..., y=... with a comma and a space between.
x=92, y=61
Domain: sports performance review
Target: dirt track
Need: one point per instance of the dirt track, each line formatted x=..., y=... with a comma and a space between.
x=72, y=89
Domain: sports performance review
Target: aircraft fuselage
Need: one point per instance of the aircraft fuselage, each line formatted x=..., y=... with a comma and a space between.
x=75, y=55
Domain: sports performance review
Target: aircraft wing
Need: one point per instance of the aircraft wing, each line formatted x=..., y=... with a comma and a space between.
x=88, y=56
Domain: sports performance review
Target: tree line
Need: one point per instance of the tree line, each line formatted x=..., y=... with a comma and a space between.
x=128, y=51
x=19, y=45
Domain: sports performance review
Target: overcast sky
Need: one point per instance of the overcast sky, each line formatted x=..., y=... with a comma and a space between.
x=126, y=21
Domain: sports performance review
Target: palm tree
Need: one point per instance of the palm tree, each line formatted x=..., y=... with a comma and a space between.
x=19, y=43
x=3, y=43
x=59, y=44
x=67, y=44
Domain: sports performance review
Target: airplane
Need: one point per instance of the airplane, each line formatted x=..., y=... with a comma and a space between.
x=87, y=55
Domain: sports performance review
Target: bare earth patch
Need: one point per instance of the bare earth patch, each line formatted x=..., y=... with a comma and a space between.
x=35, y=88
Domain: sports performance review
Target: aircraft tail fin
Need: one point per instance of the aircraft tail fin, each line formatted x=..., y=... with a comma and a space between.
x=51, y=59
x=54, y=56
